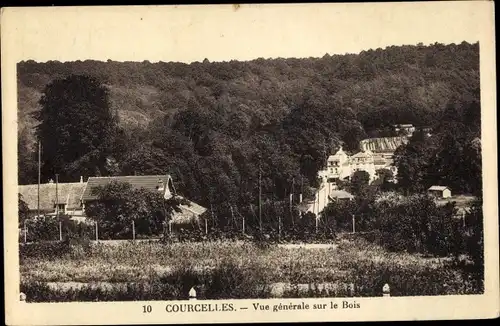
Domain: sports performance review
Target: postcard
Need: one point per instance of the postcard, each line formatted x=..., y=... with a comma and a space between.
x=249, y=163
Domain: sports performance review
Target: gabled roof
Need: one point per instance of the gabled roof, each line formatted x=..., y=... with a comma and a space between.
x=339, y=153
x=147, y=182
x=383, y=145
x=365, y=154
x=68, y=193
x=192, y=207
x=438, y=188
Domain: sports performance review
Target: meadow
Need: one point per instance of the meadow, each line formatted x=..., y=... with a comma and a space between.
x=233, y=269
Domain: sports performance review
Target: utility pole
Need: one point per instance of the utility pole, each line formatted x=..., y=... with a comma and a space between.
x=232, y=215
x=39, y=172
x=57, y=207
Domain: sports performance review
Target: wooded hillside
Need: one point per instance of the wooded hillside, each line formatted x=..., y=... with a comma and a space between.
x=406, y=84
x=211, y=124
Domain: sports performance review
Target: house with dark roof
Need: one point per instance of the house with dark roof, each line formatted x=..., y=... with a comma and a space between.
x=70, y=198
x=63, y=197
x=189, y=212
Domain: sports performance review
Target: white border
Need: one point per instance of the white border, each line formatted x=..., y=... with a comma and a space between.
x=215, y=32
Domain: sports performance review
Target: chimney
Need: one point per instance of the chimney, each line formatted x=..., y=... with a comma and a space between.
x=81, y=179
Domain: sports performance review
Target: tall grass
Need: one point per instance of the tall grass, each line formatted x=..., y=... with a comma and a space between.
x=154, y=271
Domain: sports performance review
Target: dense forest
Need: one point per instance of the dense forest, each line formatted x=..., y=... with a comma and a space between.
x=214, y=125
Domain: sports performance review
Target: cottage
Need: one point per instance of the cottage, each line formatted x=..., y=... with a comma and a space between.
x=62, y=197
x=189, y=212
x=439, y=191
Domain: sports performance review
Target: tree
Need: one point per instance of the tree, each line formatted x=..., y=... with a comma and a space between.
x=359, y=182
x=119, y=204
x=26, y=159
x=76, y=128
x=23, y=210
x=412, y=161
x=475, y=240
x=385, y=177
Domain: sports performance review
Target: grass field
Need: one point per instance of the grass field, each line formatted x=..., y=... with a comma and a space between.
x=351, y=263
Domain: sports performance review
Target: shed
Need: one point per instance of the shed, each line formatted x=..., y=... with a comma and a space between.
x=439, y=191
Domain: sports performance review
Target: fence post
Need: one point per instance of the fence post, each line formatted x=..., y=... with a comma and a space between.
x=96, y=232
x=192, y=294
x=386, y=290
x=133, y=230
x=22, y=297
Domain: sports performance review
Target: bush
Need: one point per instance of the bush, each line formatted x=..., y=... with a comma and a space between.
x=229, y=281
x=47, y=229
x=44, y=250
x=417, y=224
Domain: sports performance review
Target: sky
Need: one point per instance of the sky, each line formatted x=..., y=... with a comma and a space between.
x=223, y=33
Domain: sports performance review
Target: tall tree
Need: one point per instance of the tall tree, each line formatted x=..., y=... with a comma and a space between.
x=76, y=128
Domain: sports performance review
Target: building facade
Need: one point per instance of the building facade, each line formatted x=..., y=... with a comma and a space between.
x=341, y=166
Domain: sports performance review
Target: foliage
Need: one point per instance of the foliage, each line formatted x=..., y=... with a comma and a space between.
x=451, y=156
x=474, y=243
x=417, y=224
x=23, y=210
x=359, y=182
x=76, y=128
x=225, y=129
x=247, y=272
x=119, y=204
x=46, y=228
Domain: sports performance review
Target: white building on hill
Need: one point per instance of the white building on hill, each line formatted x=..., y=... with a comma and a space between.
x=341, y=166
